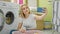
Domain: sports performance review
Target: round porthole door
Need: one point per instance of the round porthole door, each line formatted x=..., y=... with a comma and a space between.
x=9, y=17
x=2, y=19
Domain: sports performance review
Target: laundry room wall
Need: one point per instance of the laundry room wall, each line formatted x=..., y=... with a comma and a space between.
x=48, y=4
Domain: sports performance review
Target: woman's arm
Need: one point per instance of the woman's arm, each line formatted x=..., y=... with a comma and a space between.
x=42, y=16
x=19, y=26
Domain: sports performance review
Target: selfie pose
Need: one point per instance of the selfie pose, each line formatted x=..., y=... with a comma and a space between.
x=27, y=20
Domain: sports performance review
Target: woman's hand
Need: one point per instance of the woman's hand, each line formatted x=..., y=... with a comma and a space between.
x=45, y=10
x=43, y=15
x=22, y=30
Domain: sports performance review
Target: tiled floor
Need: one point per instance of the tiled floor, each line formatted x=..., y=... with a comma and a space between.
x=50, y=32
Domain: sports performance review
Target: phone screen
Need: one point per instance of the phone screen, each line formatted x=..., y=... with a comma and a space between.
x=39, y=9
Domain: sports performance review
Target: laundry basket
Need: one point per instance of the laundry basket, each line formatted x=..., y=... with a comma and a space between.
x=28, y=32
x=47, y=25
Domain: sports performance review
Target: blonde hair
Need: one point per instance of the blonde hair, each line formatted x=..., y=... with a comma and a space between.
x=21, y=14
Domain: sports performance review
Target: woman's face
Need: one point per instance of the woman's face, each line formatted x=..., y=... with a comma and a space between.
x=25, y=9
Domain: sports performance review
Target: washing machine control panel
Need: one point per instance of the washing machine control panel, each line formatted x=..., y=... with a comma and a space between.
x=8, y=4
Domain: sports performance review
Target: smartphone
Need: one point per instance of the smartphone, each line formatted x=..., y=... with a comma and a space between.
x=39, y=9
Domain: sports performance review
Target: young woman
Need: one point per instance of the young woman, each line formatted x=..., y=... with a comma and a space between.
x=27, y=19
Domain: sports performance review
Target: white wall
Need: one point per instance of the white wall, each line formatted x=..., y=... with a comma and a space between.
x=15, y=1
x=32, y=4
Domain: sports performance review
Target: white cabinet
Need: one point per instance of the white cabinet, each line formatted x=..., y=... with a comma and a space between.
x=56, y=15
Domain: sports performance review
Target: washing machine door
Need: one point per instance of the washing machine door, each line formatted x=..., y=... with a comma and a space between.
x=2, y=19
x=9, y=17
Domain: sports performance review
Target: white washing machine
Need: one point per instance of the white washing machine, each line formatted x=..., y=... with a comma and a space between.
x=10, y=13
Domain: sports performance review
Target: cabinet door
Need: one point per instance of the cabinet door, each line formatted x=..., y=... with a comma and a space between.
x=40, y=24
